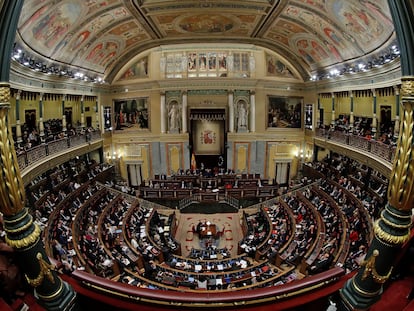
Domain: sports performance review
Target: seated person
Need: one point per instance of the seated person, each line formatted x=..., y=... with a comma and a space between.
x=322, y=264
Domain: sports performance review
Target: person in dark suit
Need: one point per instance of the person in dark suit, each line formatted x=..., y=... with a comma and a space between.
x=322, y=264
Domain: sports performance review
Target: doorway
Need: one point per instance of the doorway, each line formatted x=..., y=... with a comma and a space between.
x=282, y=172
x=68, y=116
x=30, y=119
x=386, y=123
x=321, y=114
x=134, y=174
x=88, y=121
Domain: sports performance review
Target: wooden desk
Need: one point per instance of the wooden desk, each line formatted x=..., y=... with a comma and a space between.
x=207, y=231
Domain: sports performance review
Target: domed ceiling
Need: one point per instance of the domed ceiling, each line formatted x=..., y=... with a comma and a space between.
x=101, y=36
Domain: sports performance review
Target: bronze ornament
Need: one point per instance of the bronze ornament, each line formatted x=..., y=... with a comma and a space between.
x=370, y=269
x=45, y=270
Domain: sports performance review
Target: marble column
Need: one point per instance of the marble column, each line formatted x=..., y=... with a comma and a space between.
x=252, y=112
x=351, y=116
x=96, y=114
x=82, y=107
x=318, y=112
x=374, y=114
x=19, y=139
x=231, y=111
x=184, y=112
x=397, y=112
x=162, y=113
x=64, y=125
x=41, y=125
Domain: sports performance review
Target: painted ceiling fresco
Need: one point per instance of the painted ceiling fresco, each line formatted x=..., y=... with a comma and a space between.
x=103, y=35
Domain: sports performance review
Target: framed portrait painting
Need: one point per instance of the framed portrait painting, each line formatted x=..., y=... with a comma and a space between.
x=284, y=112
x=131, y=113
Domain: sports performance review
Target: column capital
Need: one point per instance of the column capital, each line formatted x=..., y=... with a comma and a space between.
x=396, y=89
x=407, y=86
x=5, y=93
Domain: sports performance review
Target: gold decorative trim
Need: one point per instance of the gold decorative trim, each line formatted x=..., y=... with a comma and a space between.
x=12, y=193
x=385, y=243
x=345, y=299
x=400, y=189
x=394, y=225
x=391, y=239
x=4, y=92
x=17, y=219
x=52, y=296
x=407, y=86
x=26, y=241
x=22, y=228
x=363, y=292
x=408, y=216
x=370, y=269
x=45, y=270
x=217, y=305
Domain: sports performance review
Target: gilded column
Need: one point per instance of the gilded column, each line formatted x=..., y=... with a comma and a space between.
x=41, y=125
x=392, y=229
x=252, y=111
x=21, y=232
x=184, y=112
x=231, y=111
x=18, y=126
x=64, y=126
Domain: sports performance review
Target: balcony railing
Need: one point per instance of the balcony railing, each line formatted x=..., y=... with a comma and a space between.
x=376, y=148
x=31, y=156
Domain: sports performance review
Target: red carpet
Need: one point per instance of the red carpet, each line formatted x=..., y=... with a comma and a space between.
x=395, y=297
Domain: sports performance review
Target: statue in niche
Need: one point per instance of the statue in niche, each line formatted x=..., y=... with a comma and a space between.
x=174, y=117
x=242, y=114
